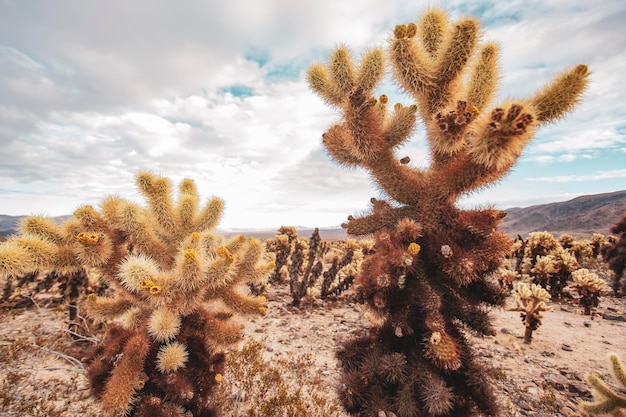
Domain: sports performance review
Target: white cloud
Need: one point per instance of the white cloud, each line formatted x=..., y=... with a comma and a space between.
x=92, y=92
x=596, y=176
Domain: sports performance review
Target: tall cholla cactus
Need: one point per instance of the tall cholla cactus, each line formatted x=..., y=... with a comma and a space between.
x=531, y=302
x=428, y=279
x=163, y=355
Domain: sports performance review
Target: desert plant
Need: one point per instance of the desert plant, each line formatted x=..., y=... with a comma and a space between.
x=615, y=255
x=282, y=245
x=288, y=386
x=344, y=265
x=537, y=244
x=429, y=278
x=589, y=287
x=547, y=263
x=531, y=302
x=176, y=283
x=607, y=400
x=328, y=270
x=565, y=264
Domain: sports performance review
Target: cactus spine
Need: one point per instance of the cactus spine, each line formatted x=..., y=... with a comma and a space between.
x=428, y=279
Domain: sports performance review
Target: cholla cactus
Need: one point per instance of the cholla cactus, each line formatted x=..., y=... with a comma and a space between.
x=537, y=244
x=552, y=265
x=429, y=277
x=166, y=263
x=589, y=287
x=607, y=400
x=542, y=270
x=615, y=255
x=531, y=302
x=282, y=245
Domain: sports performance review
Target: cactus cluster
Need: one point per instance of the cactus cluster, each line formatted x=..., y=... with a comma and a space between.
x=175, y=283
x=615, y=255
x=430, y=276
x=315, y=267
x=548, y=263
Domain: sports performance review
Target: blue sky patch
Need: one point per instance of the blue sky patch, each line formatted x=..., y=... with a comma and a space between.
x=238, y=90
x=258, y=55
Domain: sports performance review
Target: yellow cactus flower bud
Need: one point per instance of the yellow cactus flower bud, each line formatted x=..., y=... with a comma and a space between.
x=146, y=284
x=190, y=256
x=218, y=378
x=224, y=253
x=263, y=310
x=88, y=239
x=414, y=248
x=155, y=290
x=92, y=297
x=195, y=237
x=474, y=110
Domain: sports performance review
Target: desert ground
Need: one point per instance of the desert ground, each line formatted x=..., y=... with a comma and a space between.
x=41, y=373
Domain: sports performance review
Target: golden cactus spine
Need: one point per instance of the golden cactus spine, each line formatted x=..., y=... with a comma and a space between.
x=420, y=297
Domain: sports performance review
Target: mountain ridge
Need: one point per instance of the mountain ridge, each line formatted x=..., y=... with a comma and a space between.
x=580, y=217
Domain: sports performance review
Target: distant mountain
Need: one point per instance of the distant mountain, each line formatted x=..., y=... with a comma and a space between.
x=579, y=217
x=8, y=224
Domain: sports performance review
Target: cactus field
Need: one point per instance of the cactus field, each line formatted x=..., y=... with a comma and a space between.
x=43, y=375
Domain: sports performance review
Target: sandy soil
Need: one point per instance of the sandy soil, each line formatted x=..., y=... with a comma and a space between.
x=40, y=377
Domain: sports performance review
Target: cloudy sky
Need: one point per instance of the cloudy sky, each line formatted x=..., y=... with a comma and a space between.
x=91, y=92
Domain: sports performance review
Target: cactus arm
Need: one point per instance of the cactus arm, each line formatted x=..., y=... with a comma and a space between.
x=126, y=378
x=561, y=95
x=608, y=401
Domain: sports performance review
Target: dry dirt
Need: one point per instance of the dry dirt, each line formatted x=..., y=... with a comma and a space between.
x=39, y=377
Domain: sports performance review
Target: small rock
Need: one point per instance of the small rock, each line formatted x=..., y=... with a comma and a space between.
x=556, y=381
x=525, y=405
x=504, y=330
x=586, y=324
x=614, y=317
x=579, y=388
x=566, y=347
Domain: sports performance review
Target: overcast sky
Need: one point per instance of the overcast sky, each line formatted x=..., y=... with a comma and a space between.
x=91, y=92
